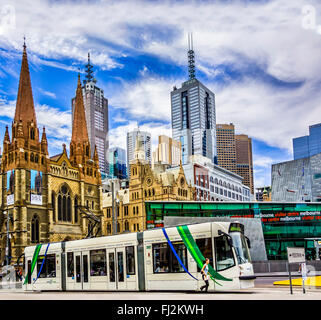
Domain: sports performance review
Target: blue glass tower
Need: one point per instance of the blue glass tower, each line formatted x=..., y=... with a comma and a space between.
x=307, y=146
x=117, y=163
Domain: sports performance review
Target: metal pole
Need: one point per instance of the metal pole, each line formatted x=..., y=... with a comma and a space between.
x=7, y=249
x=289, y=266
x=113, y=209
x=303, y=274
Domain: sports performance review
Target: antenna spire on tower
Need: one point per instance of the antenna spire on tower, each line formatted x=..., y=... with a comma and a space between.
x=191, y=57
x=89, y=70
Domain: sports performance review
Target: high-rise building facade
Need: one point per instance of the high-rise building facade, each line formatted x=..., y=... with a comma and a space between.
x=168, y=151
x=193, y=116
x=226, y=146
x=308, y=146
x=145, y=140
x=244, y=160
x=96, y=109
x=234, y=153
x=117, y=163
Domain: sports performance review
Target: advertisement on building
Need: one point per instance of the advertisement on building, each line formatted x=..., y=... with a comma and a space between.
x=10, y=187
x=36, y=187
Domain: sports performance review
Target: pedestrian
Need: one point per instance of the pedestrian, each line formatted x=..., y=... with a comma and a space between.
x=204, y=273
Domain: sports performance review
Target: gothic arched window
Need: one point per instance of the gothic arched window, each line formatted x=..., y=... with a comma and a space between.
x=53, y=203
x=64, y=204
x=35, y=229
x=32, y=134
x=76, y=209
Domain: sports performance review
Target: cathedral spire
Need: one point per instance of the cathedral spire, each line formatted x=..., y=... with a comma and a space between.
x=79, y=144
x=79, y=126
x=6, y=136
x=25, y=110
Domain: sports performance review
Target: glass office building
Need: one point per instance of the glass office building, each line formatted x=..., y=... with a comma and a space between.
x=117, y=163
x=194, y=119
x=284, y=224
x=308, y=146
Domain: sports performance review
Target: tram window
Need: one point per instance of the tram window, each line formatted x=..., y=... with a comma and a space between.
x=111, y=259
x=70, y=264
x=205, y=246
x=130, y=260
x=120, y=260
x=85, y=267
x=29, y=271
x=98, y=263
x=49, y=266
x=78, y=278
x=164, y=260
x=223, y=253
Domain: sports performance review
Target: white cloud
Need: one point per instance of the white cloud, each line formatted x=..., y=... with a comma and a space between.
x=145, y=99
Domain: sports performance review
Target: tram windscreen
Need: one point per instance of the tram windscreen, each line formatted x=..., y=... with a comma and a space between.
x=239, y=242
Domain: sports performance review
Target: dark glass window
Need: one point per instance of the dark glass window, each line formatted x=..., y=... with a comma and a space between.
x=70, y=264
x=98, y=263
x=130, y=260
x=164, y=260
x=78, y=275
x=35, y=230
x=85, y=267
x=111, y=258
x=49, y=267
x=76, y=210
x=120, y=260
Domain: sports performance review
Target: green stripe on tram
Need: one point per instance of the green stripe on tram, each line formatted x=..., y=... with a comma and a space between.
x=34, y=261
x=197, y=254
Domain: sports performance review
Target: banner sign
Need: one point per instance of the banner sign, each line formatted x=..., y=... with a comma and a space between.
x=284, y=216
x=10, y=199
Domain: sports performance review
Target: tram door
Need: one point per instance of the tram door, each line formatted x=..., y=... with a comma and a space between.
x=116, y=269
x=82, y=270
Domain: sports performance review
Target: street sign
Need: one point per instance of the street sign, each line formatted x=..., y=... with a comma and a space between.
x=296, y=255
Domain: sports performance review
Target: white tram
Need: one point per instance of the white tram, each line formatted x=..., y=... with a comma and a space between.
x=159, y=259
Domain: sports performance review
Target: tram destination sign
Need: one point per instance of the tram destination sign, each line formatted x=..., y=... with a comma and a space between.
x=296, y=255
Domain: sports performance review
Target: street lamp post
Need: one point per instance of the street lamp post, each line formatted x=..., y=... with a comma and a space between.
x=7, y=245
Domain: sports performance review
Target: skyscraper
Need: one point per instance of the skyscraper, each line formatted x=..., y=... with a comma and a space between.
x=308, y=146
x=193, y=115
x=96, y=109
x=168, y=151
x=144, y=138
x=244, y=160
x=226, y=148
x=234, y=153
x=117, y=163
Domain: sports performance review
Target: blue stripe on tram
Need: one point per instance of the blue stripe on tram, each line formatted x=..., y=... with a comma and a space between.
x=175, y=253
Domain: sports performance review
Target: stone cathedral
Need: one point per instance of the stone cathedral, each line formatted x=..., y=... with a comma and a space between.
x=48, y=198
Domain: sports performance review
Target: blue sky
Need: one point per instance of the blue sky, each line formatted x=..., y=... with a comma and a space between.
x=259, y=57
